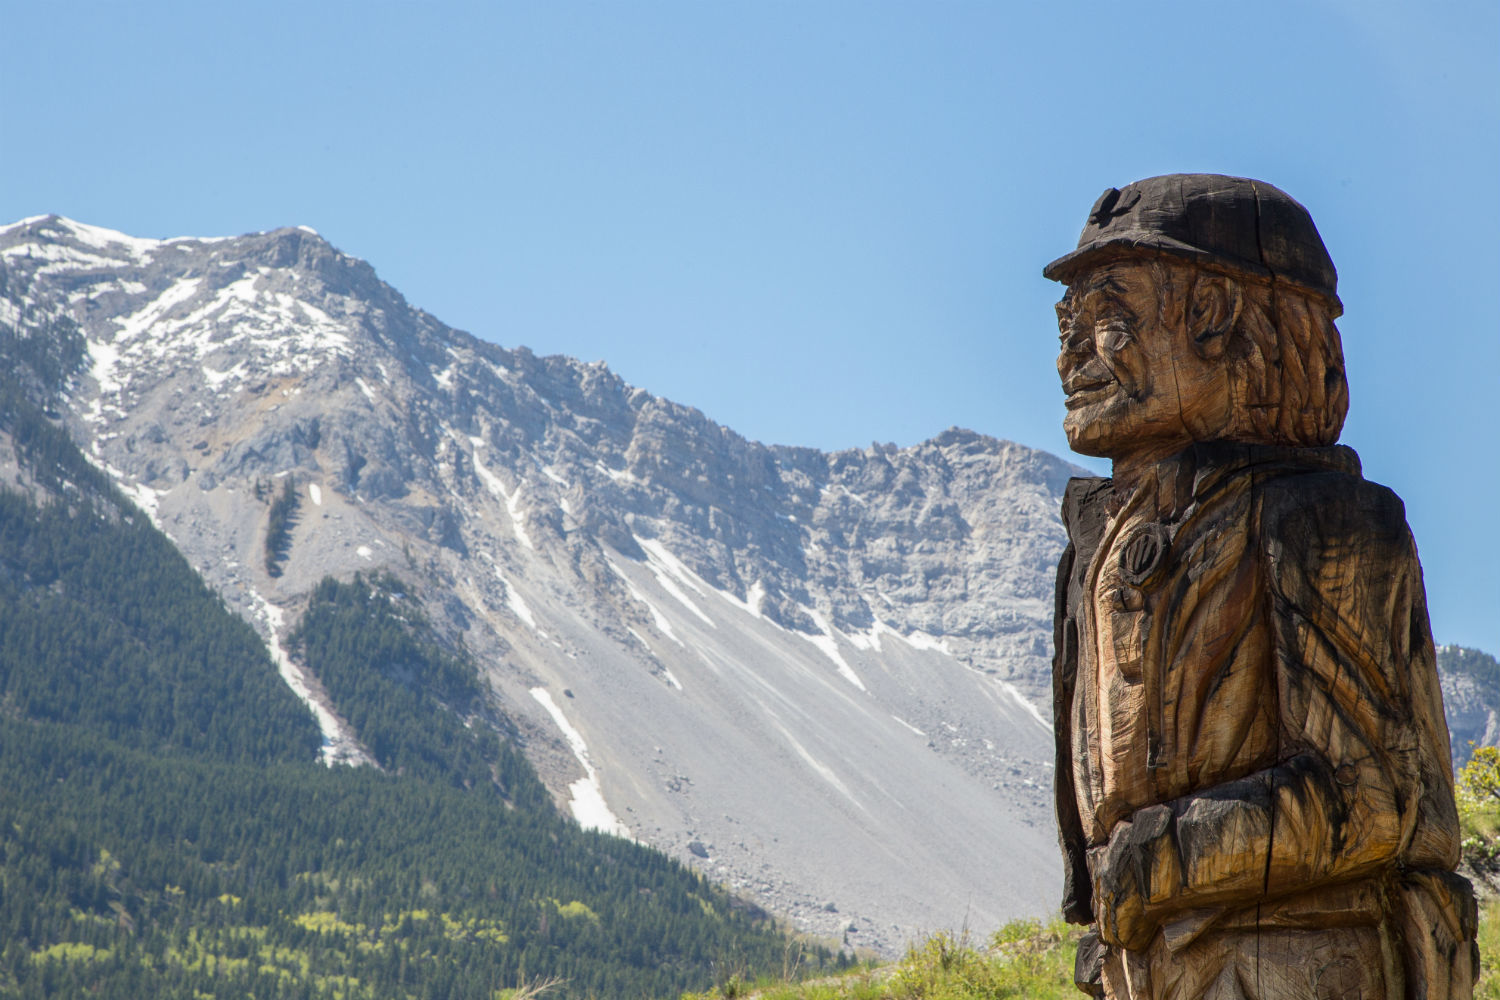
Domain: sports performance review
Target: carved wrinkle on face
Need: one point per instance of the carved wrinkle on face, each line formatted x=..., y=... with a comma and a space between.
x=1097, y=336
x=1136, y=389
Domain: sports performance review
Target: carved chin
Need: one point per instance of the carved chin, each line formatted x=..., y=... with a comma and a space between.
x=1101, y=420
x=1091, y=434
x=1118, y=427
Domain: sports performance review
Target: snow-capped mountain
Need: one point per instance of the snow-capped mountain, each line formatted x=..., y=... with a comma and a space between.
x=815, y=676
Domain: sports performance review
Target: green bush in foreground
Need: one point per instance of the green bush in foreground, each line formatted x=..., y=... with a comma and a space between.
x=1023, y=959
x=1478, y=792
x=1489, y=950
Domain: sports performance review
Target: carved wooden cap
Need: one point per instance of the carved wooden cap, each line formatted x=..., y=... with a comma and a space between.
x=1245, y=225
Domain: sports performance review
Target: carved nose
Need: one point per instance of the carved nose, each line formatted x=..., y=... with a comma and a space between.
x=1068, y=363
x=1076, y=341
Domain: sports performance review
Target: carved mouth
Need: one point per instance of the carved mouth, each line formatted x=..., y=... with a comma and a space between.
x=1083, y=387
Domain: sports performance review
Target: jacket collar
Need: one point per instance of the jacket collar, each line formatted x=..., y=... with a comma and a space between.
x=1208, y=464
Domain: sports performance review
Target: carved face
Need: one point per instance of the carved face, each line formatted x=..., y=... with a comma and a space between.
x=1136, y=389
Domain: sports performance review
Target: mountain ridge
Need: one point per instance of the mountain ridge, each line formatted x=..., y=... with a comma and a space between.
x=797, y=670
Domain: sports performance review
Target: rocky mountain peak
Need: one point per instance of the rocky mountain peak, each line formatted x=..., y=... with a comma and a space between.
x=814, y=666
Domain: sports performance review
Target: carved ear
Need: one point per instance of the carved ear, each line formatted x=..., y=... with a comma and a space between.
x=1212, y=313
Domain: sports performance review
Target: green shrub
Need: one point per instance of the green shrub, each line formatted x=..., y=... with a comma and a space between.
x=1477, y=789
x=1024, y=959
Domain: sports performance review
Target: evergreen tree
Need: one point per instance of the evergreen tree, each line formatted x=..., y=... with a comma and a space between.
x=166, y=831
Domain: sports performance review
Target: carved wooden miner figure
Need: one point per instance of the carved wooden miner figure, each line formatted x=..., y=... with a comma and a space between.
x=1253, y=780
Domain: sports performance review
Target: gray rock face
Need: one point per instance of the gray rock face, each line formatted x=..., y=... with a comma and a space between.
x=1471, y=699
x=813, y=676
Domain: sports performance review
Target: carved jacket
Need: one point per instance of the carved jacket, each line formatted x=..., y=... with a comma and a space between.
x=1245, y=681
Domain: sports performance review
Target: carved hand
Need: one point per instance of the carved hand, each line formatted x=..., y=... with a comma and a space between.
x=1139, y=863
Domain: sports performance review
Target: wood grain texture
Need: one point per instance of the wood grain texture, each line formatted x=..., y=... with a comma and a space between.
x=1254, y=792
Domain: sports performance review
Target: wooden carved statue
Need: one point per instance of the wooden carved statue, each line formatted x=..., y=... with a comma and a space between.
x=1253, y=783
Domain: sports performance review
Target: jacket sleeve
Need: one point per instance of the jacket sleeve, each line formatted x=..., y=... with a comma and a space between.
x=1083, y=515
x=1363, y=778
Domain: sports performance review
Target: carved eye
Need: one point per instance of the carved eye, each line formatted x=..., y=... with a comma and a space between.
x=1112, y=333
x=1143, y=554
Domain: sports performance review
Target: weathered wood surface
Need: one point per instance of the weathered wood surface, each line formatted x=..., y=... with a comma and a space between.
x=1253, y=781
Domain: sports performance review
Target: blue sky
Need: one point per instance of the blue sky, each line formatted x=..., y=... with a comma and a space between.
x=821, y=223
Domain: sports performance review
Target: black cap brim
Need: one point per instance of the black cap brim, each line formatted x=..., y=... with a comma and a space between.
x=1138, y=241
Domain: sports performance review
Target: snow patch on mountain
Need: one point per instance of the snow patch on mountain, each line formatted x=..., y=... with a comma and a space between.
x=909, y=726
x=921, y=640
x=340, y=746
x=108, y=239
x=664, y=566
x=1027, y=704
x=144, y=497
x=828, y=645
x=821, y=769
x=587, y=805
x=511, y=498
x=517, y=603
x=663, y=624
